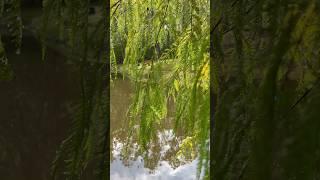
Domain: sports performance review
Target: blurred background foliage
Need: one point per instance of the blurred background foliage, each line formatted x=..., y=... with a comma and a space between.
x=77, y=29
x=265, y=73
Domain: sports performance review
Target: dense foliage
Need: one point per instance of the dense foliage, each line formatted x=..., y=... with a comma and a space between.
x=264, y=79
x=265, y=74
x=164, y=46
x=85, y=152
x=9, y=17
x=175, y=33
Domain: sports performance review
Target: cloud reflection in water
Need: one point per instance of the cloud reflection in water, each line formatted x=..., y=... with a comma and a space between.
x=136, y=169
x=164, y=172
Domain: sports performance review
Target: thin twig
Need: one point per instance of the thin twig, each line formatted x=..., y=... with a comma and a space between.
x=118, y=2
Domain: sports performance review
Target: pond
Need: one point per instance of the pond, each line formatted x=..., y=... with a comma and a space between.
x=129, y=161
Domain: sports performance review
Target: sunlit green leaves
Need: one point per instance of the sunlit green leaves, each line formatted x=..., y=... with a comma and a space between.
x=167, y=57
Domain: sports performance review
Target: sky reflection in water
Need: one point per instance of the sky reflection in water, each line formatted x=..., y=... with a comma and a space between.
x=133, y=167
x=164, y=171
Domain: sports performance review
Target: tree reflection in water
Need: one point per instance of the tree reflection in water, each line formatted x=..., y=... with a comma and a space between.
x=128, y=159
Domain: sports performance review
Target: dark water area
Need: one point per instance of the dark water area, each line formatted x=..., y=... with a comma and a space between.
x=34, y=110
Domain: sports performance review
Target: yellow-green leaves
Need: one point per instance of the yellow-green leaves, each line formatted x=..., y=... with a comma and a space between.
x=205, y=73
x=176, y=85
x=187, y=148
x=166, y=54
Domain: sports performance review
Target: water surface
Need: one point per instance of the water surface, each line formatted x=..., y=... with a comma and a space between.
x=129, y=162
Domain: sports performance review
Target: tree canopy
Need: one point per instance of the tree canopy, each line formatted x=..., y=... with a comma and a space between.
x=265, y=73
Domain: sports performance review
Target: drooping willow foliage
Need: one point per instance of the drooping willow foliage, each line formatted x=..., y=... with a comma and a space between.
x=85, y=152
x=164, y=47
x=265, y=73
x=183, y=38
x=10, y=19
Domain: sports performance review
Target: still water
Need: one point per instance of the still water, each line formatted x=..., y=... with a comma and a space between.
x=128, y=161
